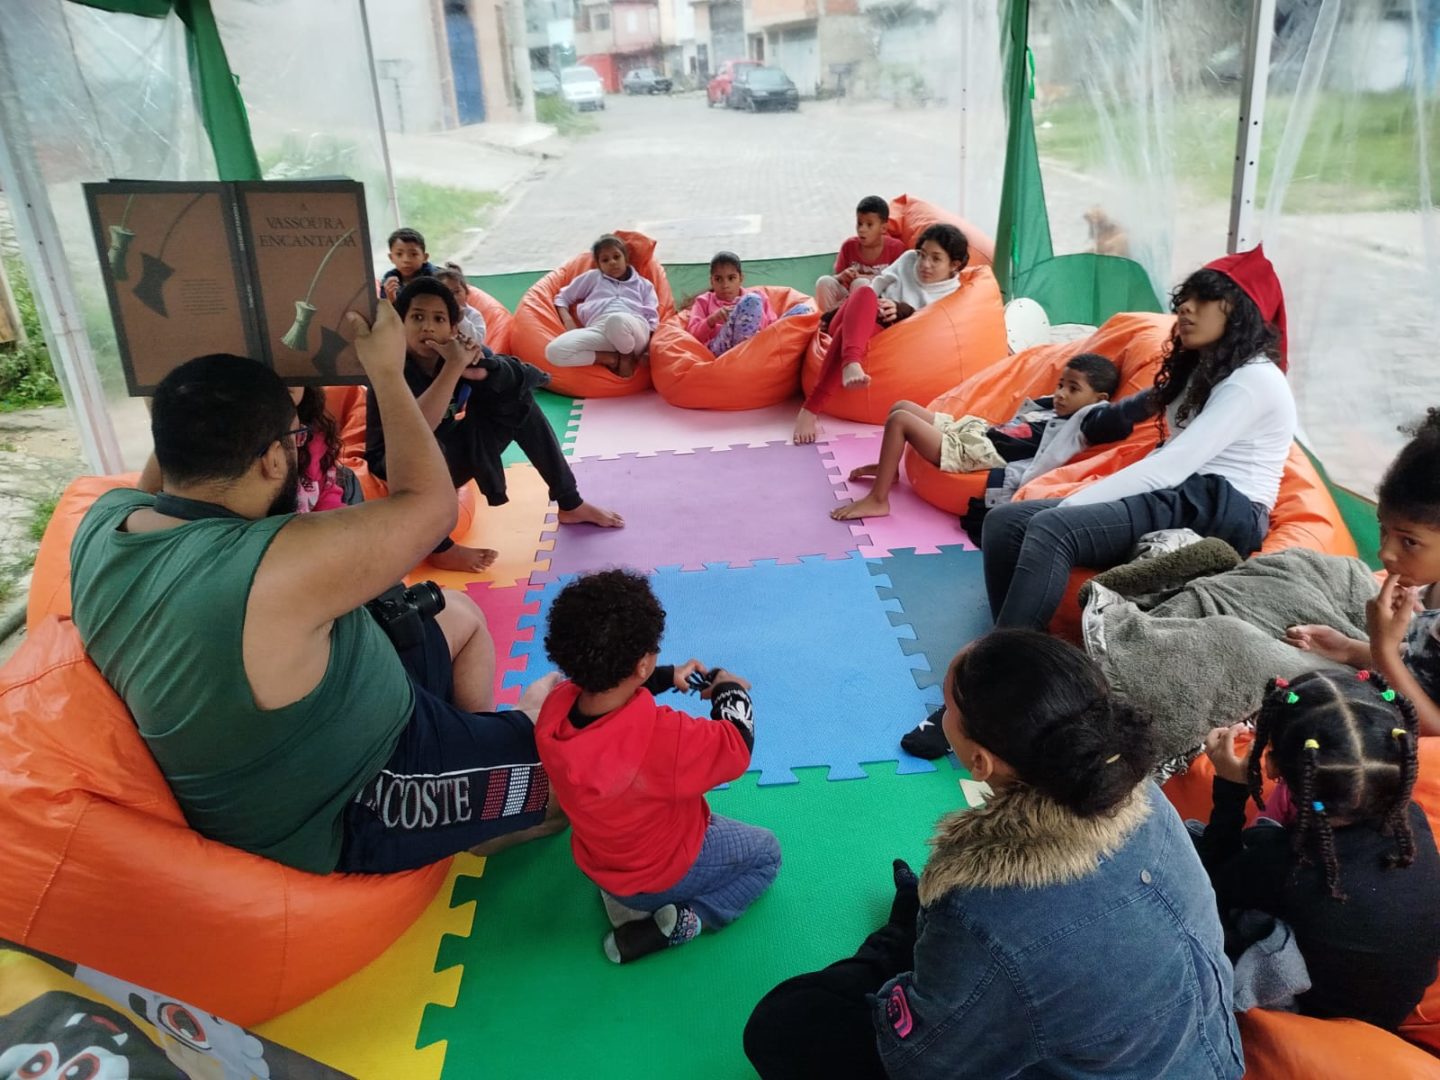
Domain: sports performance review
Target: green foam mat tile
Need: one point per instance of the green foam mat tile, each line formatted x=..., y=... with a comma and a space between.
x=539, y=999
x=564, y=416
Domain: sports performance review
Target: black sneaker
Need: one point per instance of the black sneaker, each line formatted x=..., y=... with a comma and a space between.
x=927, y=740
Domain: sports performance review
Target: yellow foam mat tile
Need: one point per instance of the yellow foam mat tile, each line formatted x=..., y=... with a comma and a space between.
x=368, y=1025
x=515, y=530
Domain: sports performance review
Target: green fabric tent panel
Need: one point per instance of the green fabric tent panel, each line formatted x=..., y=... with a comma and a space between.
x=686, y=279
x=1357, y=512
x=1086, y=288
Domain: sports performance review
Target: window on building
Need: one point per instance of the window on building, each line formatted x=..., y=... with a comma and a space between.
x=601, y=20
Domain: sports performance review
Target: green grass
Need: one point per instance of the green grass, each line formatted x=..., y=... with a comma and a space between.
x=40, y=517
x=563, y=116
x=443, y=214
x=1361, y=152
x=27, y=378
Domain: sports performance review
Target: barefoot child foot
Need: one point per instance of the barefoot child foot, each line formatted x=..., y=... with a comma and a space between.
x=865, y=472
x=853, y=375
x=590, y=514
x=870, y=506
x=465, y=560
x=805, y=425
x=626, y=364
x=608, y=360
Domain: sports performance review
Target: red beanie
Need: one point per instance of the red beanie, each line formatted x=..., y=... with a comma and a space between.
x=1255, y=274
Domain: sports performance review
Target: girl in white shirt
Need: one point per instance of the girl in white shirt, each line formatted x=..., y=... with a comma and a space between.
x=1230, y=420
x=913, y=281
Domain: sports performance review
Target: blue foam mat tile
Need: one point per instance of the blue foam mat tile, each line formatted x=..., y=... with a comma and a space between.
x=940, y=598
x=833, y=685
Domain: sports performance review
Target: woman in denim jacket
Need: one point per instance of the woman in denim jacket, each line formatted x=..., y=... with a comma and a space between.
x=1064, y=929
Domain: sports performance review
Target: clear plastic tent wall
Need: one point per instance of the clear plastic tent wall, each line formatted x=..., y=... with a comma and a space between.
x=86, y=95
x=1348, y=216
x=89, y=95
x=1135, y=105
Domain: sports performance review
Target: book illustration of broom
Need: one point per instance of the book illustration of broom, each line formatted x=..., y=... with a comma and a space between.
x=155, y=271
x=120, y=237
x=298, y=336
x=332, y=344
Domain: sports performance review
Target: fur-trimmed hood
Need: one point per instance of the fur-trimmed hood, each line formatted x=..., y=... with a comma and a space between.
x=1023, y=839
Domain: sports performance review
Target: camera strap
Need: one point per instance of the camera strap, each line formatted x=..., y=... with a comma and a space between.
x=177, y=506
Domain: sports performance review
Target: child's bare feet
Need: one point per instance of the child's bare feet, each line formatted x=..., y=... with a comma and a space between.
x=626, y=364
x=868, y=507
x=865, y=472
x=465, y=560
x=590, y=514
x=608, y=360
x=805, y=425
x=852, y=375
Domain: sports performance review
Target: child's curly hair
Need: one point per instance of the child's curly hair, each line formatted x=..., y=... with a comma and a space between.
x=602, y=625
x=1347, y=747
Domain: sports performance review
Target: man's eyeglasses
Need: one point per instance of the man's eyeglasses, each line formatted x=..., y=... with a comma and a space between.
x=301, y=435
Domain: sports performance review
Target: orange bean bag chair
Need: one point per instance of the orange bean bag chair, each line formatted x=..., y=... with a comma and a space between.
x=1132, y=341
x=916, y=359
x=909, y=217
x=537, y=323
x=1282, y=1046
x=101, y=868
x=499, y=323
x=762, y=371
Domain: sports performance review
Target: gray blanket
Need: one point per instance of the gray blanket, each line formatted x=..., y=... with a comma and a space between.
x=1202, y=656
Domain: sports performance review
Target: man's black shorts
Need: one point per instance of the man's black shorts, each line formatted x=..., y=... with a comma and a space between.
x=455, y=780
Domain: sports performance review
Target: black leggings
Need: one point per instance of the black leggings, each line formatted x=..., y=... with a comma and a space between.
x=818, y=1026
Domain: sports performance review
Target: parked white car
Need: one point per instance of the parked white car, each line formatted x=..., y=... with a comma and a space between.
x=582, y=88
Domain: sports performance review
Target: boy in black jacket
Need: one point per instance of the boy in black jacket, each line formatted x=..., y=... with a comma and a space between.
x=447, y=374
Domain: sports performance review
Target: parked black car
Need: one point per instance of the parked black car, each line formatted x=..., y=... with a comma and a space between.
x=645, y=81
x=763, y=88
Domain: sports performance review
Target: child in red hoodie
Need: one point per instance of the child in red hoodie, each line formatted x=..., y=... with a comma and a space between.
x=632, y=775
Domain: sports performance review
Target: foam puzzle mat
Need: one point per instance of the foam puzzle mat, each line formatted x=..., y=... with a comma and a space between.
x=845, y=629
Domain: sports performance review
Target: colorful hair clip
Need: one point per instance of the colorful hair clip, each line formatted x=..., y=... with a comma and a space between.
x=1318, y=806
x=1282, y=684
x=1291, y=698
x=1398, y=733
x=1312, y=744
x=1388, y=695
x=1363, y=675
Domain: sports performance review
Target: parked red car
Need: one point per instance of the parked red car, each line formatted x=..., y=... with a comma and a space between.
x=717, y=90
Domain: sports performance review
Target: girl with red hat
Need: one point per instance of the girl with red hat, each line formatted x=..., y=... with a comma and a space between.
x=1229, y=416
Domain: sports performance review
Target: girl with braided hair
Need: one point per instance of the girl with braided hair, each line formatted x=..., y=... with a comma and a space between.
x=1229, y=417
x=1356, y=875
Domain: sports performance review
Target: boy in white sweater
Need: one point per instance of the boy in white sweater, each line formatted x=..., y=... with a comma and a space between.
x=913, y=281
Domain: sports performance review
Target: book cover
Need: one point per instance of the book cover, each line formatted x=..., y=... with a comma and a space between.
x=260, y=269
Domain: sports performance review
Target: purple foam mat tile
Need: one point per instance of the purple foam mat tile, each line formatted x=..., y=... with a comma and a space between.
x=734, y=506
x=912, y=522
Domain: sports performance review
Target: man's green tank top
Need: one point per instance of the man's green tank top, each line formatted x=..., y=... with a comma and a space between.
x=162, y=614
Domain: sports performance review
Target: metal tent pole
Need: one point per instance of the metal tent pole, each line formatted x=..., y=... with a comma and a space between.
x=966, y=10
x=392, y=198
x=1244, y=234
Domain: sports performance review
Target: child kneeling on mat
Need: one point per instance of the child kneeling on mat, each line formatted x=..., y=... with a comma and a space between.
x=1043, y=435
x=632, y=775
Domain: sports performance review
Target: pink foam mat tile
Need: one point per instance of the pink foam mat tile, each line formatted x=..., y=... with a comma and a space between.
x=645, y=424
x=505, y=607
x=911, y=523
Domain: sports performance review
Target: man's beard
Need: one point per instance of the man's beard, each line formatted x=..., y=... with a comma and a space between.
x=287, y=500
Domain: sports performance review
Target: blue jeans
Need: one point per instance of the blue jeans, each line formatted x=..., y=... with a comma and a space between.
x=736, y=864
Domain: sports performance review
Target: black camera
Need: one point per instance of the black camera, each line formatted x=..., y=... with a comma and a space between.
x=401, y=612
